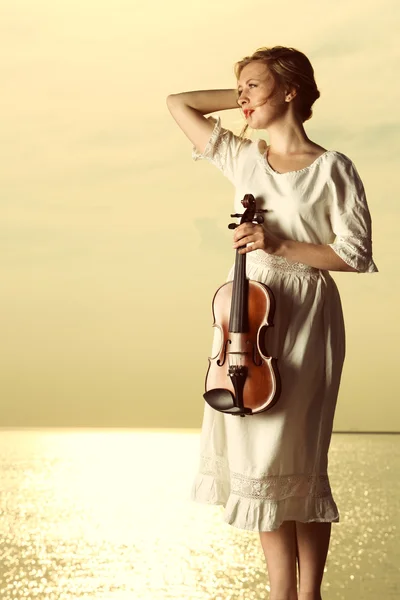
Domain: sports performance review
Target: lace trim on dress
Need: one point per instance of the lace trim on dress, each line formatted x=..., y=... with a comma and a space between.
x=271, y=487
x=279, y=487
x=213, y=465
x=279, y=263
x=216, y=148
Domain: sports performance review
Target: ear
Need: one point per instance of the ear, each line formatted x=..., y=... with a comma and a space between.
x=290, y=94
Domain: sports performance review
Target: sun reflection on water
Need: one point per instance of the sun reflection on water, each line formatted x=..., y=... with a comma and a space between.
x=106, y=515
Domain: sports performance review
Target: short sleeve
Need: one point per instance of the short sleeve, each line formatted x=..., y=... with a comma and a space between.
x=223, y=150
x=350, y=217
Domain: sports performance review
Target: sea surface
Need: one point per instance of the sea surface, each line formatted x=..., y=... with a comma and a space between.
x=105, y=514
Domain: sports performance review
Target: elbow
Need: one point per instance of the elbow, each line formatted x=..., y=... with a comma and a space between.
x=350, y=269
x=171, y=98
x=342, y=265
x=346, y=267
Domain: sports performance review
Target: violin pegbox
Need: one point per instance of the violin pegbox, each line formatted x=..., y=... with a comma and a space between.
x=249, y=203
x=251, y=214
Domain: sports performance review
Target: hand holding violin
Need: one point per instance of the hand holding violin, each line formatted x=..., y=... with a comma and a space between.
x=262, y=239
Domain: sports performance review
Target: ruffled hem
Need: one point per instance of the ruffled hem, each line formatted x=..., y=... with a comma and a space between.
x=259, y=514
x=209, y=490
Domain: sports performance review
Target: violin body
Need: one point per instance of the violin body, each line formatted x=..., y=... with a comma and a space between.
x=245, y=351
x=241, y=378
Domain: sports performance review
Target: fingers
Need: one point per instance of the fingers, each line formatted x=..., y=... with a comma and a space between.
x=243, y=241
x=247, y=233
x=254, y=245
x=248, y=249
x=243, y=230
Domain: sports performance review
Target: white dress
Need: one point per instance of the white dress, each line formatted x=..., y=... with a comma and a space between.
x=271, y=467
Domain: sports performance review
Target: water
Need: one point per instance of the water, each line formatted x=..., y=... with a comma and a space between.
x=105, y=514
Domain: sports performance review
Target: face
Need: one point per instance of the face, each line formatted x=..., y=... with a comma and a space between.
x=258, y=91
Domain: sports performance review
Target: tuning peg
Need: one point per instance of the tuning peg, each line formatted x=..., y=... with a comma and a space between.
x=258, y=219
x=232, y=226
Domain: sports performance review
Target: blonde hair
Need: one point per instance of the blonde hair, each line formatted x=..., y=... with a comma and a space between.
x=290, y=68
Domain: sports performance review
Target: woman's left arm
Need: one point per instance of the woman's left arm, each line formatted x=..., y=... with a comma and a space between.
x=319, y=256
x=316, y=255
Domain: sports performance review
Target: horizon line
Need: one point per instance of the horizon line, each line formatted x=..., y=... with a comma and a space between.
x=158, y=429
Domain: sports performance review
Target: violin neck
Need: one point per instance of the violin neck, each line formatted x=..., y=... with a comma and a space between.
x=238, y=320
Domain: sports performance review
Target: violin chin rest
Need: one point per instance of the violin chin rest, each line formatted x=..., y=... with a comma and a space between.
x=224, y=401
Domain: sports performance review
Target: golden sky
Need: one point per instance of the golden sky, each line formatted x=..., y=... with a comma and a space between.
x=114, y=241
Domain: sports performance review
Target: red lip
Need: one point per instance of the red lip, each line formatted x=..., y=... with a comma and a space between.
x=247, y=112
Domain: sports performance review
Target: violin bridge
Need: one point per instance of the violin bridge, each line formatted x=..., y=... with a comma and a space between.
x=239, y=343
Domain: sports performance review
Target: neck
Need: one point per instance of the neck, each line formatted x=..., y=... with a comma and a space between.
x=288, y=138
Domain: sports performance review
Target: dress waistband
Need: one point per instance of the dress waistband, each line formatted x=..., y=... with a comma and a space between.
x=279, y=263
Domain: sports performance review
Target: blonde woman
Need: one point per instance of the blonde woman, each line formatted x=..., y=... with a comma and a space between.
x=269, y=470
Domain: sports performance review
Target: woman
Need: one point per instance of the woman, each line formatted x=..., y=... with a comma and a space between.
x=269, y=470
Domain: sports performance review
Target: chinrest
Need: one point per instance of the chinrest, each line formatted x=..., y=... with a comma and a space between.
x=224, y=401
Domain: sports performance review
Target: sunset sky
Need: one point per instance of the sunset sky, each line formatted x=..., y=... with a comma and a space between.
x=114, y=241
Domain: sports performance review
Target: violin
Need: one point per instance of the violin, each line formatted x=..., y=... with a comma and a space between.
x=241, y=379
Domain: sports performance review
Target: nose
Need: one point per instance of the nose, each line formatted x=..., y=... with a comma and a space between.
x=242, y=100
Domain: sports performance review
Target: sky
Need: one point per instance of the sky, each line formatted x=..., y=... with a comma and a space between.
x=113, y=241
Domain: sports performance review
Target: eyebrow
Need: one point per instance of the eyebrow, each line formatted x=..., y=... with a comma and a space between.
x=251, y=79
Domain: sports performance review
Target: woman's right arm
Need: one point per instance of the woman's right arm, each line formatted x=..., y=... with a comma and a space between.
x=188, y=109
x=207, y=101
